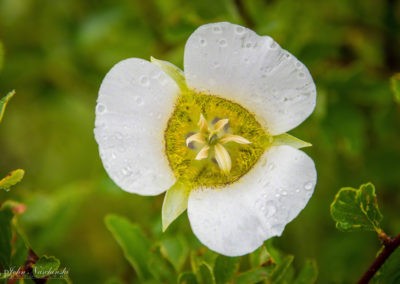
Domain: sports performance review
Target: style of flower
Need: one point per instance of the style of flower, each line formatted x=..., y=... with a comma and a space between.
x=213, y=136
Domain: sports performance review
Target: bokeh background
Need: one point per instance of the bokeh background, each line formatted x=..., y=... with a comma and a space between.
x=57, y=53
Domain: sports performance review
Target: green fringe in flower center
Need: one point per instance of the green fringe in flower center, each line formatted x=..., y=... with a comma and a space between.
x=183, y=123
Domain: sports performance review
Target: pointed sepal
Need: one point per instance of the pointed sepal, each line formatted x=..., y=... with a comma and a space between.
x=289, y=140
x=175, y=203
x=171, y=70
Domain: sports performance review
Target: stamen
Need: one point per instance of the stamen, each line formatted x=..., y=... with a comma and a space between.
x=203, y=154
x=198, y=137
x=234, y=138
x=203, y=124
x=223, y=158
x=220, y=124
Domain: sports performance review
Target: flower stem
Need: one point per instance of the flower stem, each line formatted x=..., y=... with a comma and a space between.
x=390, y=246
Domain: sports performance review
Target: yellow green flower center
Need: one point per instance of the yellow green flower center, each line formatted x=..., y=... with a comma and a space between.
x=211, y=142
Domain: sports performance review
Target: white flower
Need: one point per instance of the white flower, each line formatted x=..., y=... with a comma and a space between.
x=213, y=135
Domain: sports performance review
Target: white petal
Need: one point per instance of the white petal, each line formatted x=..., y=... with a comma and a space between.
x=235, y=63
x=136, y=99
x=237, y=219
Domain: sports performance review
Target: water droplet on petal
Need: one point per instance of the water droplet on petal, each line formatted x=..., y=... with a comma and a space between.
x=271, y=166
x=139, y=100
x=308, y=186
x=239, y=30
x=217, y=29
x=202, y=42
x=222, y=42
x=101, y=108
x=144, y=81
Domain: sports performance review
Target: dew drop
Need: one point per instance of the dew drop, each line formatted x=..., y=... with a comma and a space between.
x=139, y=100
x=239, y=30
x=273, y=45
x=298, y=65
x=217, y=29
x=216, y=65
x=302, y=75
x=270, y=208
x=222, y=42
x=284, y=193
x=271, y=166
x=101, y=108
x=248, y=45
x=203, y=42
x=308, y=186
x=144, y=81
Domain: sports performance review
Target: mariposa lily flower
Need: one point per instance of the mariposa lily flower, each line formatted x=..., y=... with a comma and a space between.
x=214, y=136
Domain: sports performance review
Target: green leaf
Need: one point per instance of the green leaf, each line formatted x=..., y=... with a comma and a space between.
x=395, y=85
x=390, y=272
x=20, y=250
x=175, y=203
x=287, y=139
x=254, y=275
x=172, y=71
x=6, y=216
x=205, y=274
x=3, y=103
x=224, y=268
x=187, y=278
x=308, y=273
x=175, y=250
x=281, y=269
x=1, y=55
x=356, y=209
x=259, y=257
x=11, y=179
x=135, y=245
x=45, y=266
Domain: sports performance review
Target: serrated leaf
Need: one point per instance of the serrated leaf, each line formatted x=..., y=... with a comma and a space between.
x=225, y=268
x=395, y=86
x=45, y=266
x=172, y=71
x=205, y=274
x=289, y=140
x=254, y=275
x=187, y=278
x=356, y=209
x=11, y=179
x=3, y=103
x=135, y=245
x=175, y=250
x=281, y=269
x=175, y=203
x=308, y=273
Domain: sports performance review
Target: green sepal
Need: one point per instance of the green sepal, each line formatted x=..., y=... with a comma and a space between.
x=175, y=203
x=172, y=71
x=3, y=103
x=356, y=209
x=289, y=140
x=11, y=179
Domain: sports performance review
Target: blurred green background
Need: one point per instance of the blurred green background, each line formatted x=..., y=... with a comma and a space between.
x=57, y=53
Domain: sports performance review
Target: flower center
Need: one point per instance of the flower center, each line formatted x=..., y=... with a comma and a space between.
x=212, y=141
